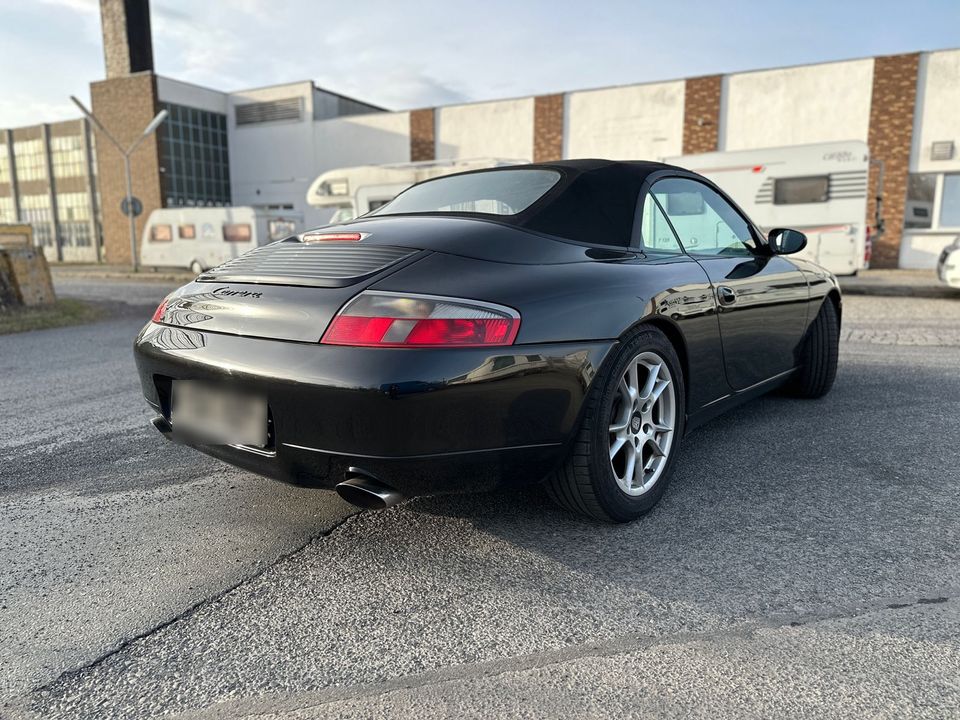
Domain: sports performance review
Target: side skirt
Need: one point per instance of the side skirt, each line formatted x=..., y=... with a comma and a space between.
x=728, y=402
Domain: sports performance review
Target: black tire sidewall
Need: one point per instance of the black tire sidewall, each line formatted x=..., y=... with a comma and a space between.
x=616, y=503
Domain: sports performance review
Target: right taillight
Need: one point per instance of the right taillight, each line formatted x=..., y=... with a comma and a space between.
x=382, y=319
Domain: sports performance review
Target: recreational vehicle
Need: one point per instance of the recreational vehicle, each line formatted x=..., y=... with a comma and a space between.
x=821, y=189
x=353, y=191
x=201, y=238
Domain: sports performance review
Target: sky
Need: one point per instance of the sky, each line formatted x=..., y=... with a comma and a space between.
x=434, y=52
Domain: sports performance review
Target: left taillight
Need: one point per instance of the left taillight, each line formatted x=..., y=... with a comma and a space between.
x=382, y=319
x=160, y=311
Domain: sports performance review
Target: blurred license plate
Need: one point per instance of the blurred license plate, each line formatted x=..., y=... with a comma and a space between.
x=217, y=415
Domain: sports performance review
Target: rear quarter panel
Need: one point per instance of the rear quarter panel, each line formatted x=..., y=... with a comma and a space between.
x=588, y=301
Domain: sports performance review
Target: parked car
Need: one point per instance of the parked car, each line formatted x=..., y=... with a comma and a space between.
x=948, y=265
x=568, y=321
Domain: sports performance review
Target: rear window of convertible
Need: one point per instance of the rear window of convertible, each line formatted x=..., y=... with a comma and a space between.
x=499, y=192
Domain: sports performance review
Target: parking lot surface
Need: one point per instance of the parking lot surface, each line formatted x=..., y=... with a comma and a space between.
x=804, y=561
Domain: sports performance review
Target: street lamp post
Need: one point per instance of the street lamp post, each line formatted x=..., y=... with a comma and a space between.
x=147, y=131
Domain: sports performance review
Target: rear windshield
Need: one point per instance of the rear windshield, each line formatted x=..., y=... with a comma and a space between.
x=496, y=192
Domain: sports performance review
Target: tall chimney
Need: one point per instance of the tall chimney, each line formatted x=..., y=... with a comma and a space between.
x=127, y=47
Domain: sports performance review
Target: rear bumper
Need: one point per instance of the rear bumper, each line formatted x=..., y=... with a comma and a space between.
x=420, y=420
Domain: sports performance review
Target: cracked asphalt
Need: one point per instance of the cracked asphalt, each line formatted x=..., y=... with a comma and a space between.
x=804, y=561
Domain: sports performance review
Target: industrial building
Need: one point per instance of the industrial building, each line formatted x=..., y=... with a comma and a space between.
x=263, y=147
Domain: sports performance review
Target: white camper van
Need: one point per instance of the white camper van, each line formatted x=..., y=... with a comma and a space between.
x=353, y=191
x=200, y=238
x=821, y=189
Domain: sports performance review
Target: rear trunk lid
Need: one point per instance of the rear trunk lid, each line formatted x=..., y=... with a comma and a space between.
x=284, y=291
x=290, y=290
x=291, y=262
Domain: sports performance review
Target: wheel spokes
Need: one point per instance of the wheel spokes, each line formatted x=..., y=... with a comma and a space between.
x=642, y=423
x=648, y=466
x=620, y=425
x=631, y=467
x=617, y=446
x=622, y=421
x=658, y=387
x=653, y=372
x=655, y=448
x=633, y=380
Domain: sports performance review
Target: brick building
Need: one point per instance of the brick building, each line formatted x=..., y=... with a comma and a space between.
x=263, y=147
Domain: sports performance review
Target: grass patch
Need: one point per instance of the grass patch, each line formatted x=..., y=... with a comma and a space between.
x=61, y=313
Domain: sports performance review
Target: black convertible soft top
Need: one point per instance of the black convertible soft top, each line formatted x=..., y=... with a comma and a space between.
x=593, y=202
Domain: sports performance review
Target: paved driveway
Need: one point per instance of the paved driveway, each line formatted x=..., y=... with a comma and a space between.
x=803, y=562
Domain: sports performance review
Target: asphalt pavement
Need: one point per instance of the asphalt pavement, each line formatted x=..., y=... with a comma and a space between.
x=804, y=561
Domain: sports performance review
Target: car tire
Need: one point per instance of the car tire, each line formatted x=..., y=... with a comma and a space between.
x=592, y=479
x=818, y=355
x=196, y=267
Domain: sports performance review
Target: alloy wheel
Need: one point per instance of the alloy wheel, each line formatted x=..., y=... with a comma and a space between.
x=642, y=423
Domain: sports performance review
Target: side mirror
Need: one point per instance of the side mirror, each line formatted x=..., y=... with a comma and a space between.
x=784, y=241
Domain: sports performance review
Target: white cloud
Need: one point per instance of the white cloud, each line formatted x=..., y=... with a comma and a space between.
x=23, y=110
x=443, y=51
x=85, y=7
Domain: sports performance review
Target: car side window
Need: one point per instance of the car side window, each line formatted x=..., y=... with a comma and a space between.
x=706, y=223
x=655, y=232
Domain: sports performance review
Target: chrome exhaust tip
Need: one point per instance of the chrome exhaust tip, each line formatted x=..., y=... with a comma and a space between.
x=365, y=492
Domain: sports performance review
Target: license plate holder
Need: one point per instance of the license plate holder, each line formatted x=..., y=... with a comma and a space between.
x=218, y=415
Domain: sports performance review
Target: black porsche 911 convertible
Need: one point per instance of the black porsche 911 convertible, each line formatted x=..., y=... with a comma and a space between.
x=568, y=322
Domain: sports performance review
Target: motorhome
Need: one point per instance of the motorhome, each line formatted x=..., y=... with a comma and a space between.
x=200, y=238
x=353, y=191
x=821, y=189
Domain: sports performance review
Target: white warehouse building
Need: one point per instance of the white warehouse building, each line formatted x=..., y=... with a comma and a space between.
x=913, y=127
x=264, y=147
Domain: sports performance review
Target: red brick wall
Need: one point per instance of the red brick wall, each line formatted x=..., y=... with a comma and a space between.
x=891, y=128
x=701, y=114
x=125, y=106
x=422, y=135
x=548, y=128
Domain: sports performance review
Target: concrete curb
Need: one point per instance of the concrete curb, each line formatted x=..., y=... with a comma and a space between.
x=923, y=291
x=139, y=277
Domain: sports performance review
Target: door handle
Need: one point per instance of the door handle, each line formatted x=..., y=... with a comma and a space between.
x=726, y=295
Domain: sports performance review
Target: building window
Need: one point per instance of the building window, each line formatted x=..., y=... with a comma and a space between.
x=8, y=213
x=73, y=213
x=30, y=159
x=278, y=229
x=918, y=213
x=35, y=210
x=950, y=201
x=92, y=137
x=237, y=232
x=801, y=190
x=4, y=164
x=67, y=156
x=269, y=111
x=161, y=233
x=194, y=157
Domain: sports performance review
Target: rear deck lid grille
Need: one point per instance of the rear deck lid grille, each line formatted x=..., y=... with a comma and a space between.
x=291, y=262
